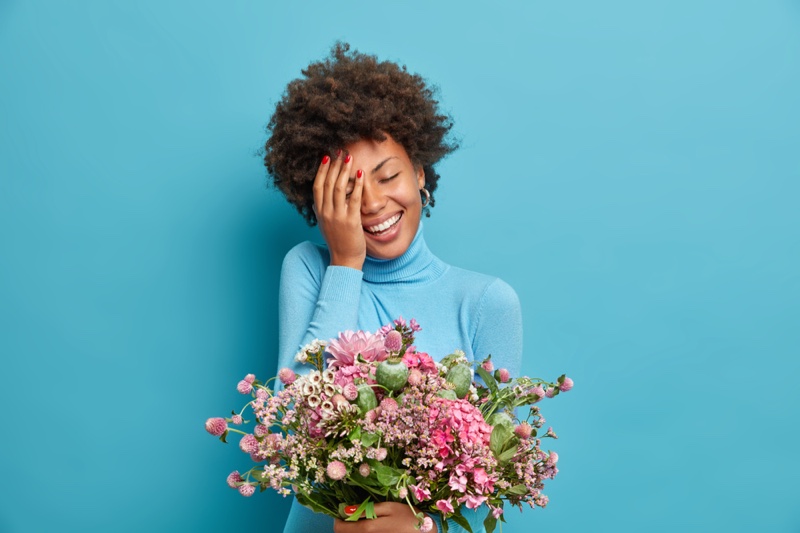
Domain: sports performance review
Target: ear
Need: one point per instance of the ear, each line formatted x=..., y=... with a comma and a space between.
x=420, y=176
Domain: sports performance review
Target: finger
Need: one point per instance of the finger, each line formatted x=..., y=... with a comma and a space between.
x=319, y=182
x=341, y=185
x=330, y=180
x=354, y=203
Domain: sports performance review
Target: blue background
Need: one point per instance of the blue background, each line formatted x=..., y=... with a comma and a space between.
x=631, y=168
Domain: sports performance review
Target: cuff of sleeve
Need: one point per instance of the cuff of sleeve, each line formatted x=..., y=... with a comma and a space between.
x=437, y=519
x=341, y=284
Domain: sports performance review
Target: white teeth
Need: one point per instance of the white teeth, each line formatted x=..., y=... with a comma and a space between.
x=385, y=225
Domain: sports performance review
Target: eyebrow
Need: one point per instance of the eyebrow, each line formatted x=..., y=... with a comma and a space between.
x=377, y=168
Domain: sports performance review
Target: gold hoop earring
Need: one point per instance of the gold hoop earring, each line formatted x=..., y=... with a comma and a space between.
x=427, y=195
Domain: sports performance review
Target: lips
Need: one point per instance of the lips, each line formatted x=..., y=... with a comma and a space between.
x=385, y=226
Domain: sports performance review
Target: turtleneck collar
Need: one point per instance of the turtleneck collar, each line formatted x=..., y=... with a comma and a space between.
x=417, y=264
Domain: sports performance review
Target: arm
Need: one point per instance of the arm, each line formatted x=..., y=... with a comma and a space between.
x=316, y=301
x=499, y=327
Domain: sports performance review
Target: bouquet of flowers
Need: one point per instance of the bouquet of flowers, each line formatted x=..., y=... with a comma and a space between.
x=377, y=420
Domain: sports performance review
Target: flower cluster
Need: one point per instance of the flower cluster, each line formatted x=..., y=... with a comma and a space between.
x=376, y=419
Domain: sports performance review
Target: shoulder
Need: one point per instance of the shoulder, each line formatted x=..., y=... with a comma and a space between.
x=488, y=289
x=308, y=257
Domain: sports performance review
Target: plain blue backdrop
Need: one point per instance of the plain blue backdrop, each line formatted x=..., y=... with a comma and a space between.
x=631, y=168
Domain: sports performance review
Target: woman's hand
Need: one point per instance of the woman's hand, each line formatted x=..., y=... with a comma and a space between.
x=338, y=208
x=393, y=517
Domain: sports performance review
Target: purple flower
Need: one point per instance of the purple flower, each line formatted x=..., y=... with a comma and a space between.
x=249, y=444
x=216, y=426
x=234, y=478
x=523, y=430
x=502, y=375
x=287, y=376
x=427, y=525
x=336, y=470
x=393, y=341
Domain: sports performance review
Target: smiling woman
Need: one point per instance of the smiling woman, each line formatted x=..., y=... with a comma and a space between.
x=353, y=146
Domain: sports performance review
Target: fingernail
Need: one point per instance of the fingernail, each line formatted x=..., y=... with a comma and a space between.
x=359, y=173
x=350, y=509
x=325, y=160
x=348, y=158
x=338, y=153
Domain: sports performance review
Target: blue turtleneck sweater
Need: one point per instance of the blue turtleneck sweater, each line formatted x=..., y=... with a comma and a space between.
x=456, y=308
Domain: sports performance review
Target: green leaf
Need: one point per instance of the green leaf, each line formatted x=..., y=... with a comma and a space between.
x=459, y=519
x=369, y=439
x=501, y=434
x=507, y=455
x=518, y=490
x=490, y=522
x=487, y=378
x=355, y=434
x=224, y=436
x=387, y=475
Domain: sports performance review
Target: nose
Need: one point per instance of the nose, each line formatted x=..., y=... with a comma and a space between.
x=372, y=201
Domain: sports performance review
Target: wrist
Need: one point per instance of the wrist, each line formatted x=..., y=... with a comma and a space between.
x=351, y=262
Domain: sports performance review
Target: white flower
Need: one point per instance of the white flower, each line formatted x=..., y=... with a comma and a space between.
x=328, y=376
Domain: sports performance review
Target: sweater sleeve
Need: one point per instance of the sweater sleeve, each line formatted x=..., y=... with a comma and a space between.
x=499, y=328
x=316, y=301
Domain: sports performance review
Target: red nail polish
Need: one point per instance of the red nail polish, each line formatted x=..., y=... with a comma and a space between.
x=325, y=160
x=359, y=173
x=350, y=509
x=348, y=158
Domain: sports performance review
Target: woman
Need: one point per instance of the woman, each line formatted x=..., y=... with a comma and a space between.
x=353, y=146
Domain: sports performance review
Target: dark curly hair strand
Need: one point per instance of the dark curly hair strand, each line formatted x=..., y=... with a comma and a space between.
x=345, y=98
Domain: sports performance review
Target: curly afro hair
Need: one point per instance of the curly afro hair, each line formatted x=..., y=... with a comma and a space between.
x=347, y=97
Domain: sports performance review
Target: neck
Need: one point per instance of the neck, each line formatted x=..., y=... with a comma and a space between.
x=416, y=264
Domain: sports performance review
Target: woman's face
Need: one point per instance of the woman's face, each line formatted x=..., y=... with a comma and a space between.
x=391, y=205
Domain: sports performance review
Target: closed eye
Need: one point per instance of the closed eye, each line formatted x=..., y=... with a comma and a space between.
x=384, y=180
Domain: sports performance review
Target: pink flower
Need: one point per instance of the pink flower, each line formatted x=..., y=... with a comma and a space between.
x=458, y=482
x=523, y=430
x=250, y=378
x=497, y=511
x=402, y=493
x=393, y=341
x=246, y=490
x=553, y=459
x=364, y=469
x=262, y=395
x=550, y=433
x=427, y=525
x=444, y=506
x=237, y=420
x=216, y=426
x=550, y=392
x=414, y=326
x=420, y=493
x=566, y=384
x=389, y=404
x=336, y=470
x=473, y=502
x=249, y=444
x=345, y=349
x=287, y=376
x=426, y=363
x=234, y=478
x=502, y=375
x=488, y=366
x=381, y=454
x=244, y=387
x=260, y=430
